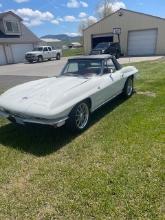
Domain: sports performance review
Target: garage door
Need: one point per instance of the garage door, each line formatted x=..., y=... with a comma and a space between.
x=142, y=42
x=19, y=51
x=2, y=56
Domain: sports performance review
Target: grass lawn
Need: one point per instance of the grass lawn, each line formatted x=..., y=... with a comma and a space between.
x=114, y=170
x=73, y=52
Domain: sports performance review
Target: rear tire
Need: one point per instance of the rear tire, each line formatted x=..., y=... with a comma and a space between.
x=79, y=117
x=129, y=87
x=58, y=57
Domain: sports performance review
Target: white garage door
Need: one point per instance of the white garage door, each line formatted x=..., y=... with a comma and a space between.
x=142, y=42
x=19, y=51
x=2, y=56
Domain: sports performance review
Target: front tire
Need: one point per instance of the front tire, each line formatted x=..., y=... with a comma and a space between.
x=79, y=117
x=129, y=87
x=40, y=59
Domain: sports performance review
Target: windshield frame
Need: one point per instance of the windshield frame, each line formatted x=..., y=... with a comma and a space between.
x=79, y=75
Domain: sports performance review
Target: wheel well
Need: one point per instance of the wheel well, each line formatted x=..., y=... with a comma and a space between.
x=89, y=101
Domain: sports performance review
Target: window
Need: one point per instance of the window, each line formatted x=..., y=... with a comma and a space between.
x=12, y=27
x=72, y=67
x=45, y=49
x=110, y=65
x=49, y=48
x=83, y=67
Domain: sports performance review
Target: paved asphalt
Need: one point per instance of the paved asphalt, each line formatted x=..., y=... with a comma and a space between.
x=11, y=75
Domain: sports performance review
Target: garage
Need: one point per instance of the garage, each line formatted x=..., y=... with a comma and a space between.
x=2, y=56
x=101, y=38
x=142, y=42
x=19, y=51
x=140, y=34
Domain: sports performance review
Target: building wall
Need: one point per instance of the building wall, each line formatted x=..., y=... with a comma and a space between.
x=128, y=22
x=27, y=36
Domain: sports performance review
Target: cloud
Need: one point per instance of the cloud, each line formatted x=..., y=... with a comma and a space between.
x=73, y=34
x=0, y=5
x=55, y=21
x=76, y=4
x=69, y=18
x=32, y=23
x=60, y=19
x=116, y=5
x=83, y=4
x=35, y=17
x=92, y=18
x=28, y=12
x=82, y=15
x=21, y=1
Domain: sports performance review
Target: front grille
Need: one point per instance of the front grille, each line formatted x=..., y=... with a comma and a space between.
x=29, y=55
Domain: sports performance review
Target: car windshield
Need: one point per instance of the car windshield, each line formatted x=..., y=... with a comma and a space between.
x=38, y=49
x=103, y=45
x=80, y=67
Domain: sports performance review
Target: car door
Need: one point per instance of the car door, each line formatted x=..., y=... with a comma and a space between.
x=111, y=81
x=50, y=53
x=46, y=53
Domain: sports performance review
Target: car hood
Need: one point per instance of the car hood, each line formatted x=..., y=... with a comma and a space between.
x=34, y=52
x=40, y=93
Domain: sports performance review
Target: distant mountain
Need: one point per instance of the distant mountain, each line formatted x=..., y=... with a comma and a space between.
x=64, y=37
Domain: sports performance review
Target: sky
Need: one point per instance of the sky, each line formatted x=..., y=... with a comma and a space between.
x=63, y=16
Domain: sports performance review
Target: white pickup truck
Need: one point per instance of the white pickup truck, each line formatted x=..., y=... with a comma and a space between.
x=42, y=53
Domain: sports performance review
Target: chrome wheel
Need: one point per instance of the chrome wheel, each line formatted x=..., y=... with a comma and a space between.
x=129, y=87
x=82, y=115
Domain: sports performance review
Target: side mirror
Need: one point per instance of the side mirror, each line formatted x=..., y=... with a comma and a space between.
x=108, y=70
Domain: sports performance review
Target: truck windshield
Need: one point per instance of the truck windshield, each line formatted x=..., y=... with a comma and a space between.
x=83, y=67
x=102, y=45
x=38, y=49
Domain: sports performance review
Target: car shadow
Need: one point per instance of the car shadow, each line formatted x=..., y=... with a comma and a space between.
x=43, y=140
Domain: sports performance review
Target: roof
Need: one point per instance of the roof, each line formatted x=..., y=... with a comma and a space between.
x=122, y=9
x=101, y=56
x=3, y=14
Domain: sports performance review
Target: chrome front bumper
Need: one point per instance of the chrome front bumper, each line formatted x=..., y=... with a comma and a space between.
x=22, y=120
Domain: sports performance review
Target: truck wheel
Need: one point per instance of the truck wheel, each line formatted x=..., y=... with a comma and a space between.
x=40, y=59
x=79, y=117
x=58, y=57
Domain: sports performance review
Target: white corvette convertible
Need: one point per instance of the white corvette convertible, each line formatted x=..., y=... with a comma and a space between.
x=85, y=84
